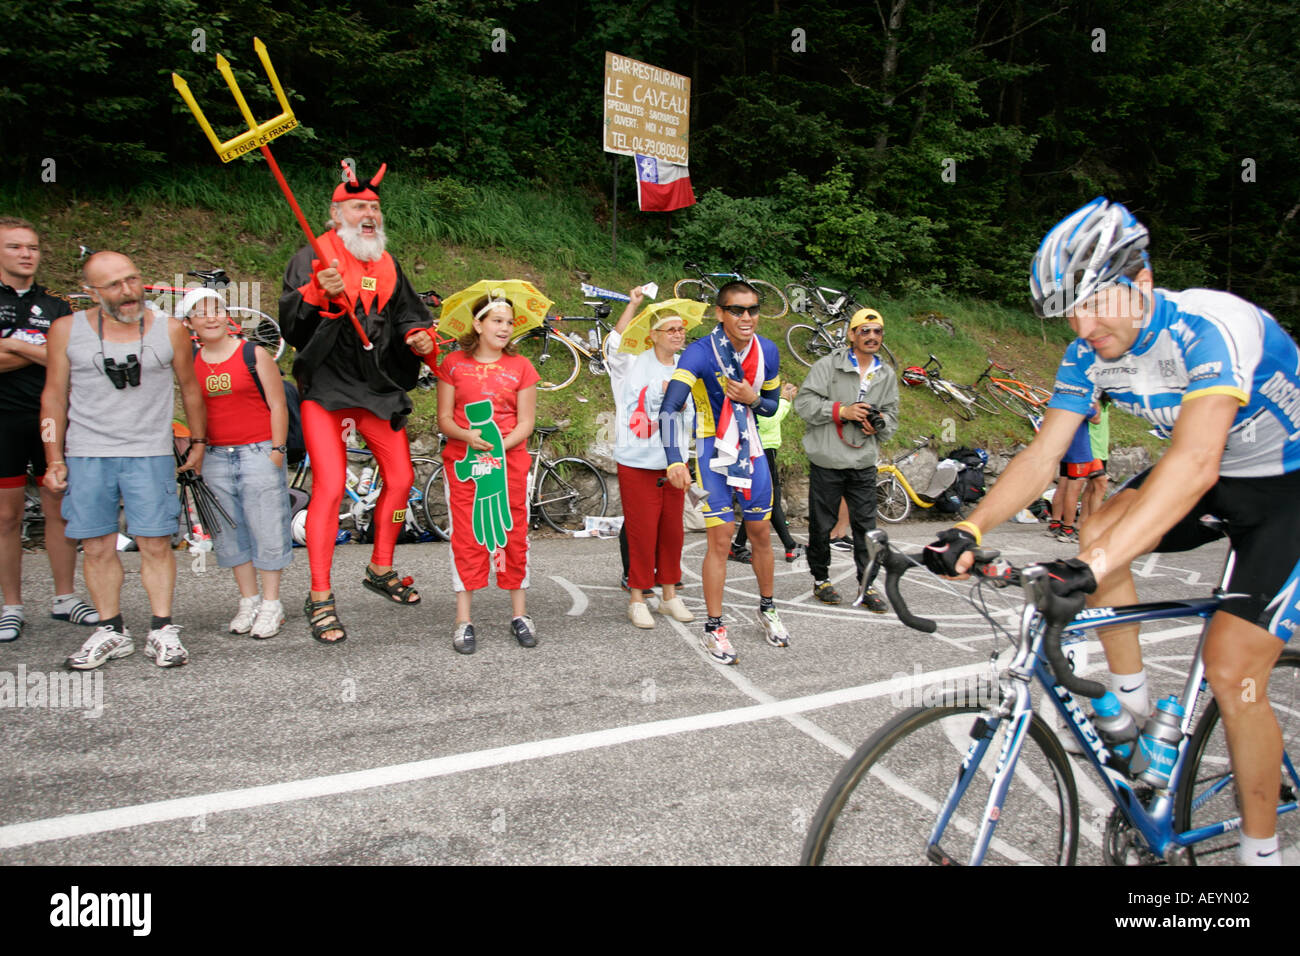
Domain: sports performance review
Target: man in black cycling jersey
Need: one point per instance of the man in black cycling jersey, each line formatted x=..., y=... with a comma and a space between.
x=1218, y=376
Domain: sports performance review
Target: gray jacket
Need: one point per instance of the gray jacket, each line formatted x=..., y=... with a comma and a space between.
x=834, y=381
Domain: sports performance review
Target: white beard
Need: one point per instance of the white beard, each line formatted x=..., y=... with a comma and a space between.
x=365, y=249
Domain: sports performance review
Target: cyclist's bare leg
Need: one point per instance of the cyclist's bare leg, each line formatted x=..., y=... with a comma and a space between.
x=58, y=548
x=1123, y=652
x=760, y=547
x=713, y=573
x=12, y=503
x=103, y=571
x=1238, y=658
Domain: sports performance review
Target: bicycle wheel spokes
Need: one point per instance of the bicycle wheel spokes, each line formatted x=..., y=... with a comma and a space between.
x=694, y=289
x=569, y=491
x=1209, y=794
x=434, y=502
x=554, y=357
x=771, y=300
x=892, y=503
x=807, y=344
x=883, y=806
x=258, y=328
x=802, y=299
x=417, y=516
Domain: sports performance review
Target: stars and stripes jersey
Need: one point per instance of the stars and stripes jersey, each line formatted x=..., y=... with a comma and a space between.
x=1201, y=342
x=699, y=377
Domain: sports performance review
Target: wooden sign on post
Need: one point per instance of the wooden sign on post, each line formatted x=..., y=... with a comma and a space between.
x=647, y=110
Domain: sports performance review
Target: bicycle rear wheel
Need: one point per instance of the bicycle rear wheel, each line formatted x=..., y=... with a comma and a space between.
x=568, y=491
x=258, y=328
x=807, y=343
x=554, y=357
x=771, y=300
x=892, y=503
x=883, y=804
x=802, y=300
x=417, y=517
x=433, y=500
x=1009, y=400
x=695, y=289
x=978, y=400
x=1208, y=793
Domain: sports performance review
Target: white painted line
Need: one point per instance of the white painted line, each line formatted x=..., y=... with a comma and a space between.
x=577, y=595
x=84, y=824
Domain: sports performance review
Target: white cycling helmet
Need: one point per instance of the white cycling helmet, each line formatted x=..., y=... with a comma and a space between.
x=1091, y=249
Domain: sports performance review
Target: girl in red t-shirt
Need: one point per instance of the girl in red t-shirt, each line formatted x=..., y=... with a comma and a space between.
x=244, y=466
x=487, y=403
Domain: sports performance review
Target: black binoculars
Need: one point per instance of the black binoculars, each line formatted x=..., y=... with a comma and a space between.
x=123, y=373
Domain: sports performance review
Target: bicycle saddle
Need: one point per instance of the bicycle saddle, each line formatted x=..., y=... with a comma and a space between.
x=211, y=277
x=546, y=429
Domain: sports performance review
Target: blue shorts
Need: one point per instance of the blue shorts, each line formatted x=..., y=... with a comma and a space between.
x=146, y=487
x=255, y=494
x=723, y=498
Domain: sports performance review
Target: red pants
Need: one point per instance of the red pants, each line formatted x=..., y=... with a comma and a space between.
x=323, y=431
x=652, y=515
x=470, y=561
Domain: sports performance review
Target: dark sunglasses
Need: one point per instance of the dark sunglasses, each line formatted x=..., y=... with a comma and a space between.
x=740, y=310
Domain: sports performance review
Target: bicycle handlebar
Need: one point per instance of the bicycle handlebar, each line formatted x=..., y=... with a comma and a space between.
x=1057, y=611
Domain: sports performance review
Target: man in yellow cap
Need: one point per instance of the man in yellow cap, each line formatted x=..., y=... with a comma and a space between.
x=850, y=403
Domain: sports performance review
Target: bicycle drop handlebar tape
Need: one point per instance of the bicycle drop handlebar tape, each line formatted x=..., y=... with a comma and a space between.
x=1057, y=612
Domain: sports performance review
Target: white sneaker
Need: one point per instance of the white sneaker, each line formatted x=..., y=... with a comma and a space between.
x=243, y=621
x=676, y=609
x=164, y=646
x=719, y=648
x=105, y=644
x=270, y=617
x=773, y=629
x=639, y=614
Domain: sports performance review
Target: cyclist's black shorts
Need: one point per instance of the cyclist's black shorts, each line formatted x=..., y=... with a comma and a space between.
x=1263, y=524
x=20, y=443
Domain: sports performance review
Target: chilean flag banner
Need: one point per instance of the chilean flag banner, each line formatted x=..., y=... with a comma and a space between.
x=661, y=186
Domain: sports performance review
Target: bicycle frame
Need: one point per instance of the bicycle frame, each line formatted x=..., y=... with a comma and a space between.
x=892, y=469
x=1154, y=824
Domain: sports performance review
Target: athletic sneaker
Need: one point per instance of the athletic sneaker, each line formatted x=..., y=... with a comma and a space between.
x=1068, y=534
x=719, y=648
x=463, y=640
x=524, y=631
x=773, y=629
x=270, y=618
x=1053, y=529
x=873, y=602
x=844, y=543
x=104, y=645
x=164, y=646
x=243, y=621
x=825, y=592
x=740, y=555
x=794, y=553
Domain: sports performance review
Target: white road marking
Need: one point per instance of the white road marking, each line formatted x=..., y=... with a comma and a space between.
x=576, y=593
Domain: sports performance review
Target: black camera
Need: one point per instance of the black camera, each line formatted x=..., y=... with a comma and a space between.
x=875, y=420
x=125, y=373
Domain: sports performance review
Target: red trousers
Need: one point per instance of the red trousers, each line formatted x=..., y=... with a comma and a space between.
x=323, y=432
x=471, y=561
x=652, y=515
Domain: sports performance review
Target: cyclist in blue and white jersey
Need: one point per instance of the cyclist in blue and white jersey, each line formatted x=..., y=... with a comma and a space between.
x=1221, y=378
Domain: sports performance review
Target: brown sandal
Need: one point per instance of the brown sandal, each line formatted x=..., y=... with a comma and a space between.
x=396, y=589
x=324, y=618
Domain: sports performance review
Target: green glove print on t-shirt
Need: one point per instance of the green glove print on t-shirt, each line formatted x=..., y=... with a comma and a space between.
x=487, y=469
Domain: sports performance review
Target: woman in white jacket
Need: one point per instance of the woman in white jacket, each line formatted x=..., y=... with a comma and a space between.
x=652, y=507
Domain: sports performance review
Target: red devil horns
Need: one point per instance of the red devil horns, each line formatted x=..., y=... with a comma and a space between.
x=351, y=189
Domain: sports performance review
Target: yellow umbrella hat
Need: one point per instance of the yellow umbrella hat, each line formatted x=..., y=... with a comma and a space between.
x=530, y=305
x=636, y=337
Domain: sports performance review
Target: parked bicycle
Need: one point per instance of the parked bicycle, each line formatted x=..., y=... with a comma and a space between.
x=964, y=399
x=1025, y=400
x=361, y=490
x=895, y=495
x=829, y=310
x=565, y=491
x=558, y=354
x=901, y=781
x=771, y=300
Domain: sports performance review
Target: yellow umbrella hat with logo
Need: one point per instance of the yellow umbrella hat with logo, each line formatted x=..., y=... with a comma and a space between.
x=636, y=337
x=530, y=305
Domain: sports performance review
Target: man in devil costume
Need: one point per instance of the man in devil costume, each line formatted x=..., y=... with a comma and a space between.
x=346, y=388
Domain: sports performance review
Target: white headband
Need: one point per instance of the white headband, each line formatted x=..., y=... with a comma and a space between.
x=494, y=304
x=193, y=298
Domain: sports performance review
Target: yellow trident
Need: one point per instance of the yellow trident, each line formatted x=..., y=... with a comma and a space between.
x=257, y=137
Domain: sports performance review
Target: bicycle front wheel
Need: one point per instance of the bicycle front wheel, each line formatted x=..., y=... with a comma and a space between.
x=807, y=343
x=258, y=328
x=953, y=394
x=694, y=289
x=417, y=516
x=882, y=807
x=569, y=491
x=1009, y=400
x=978, y=400
x=771, y=300
x=892, y=503
x=554, y=357
x=433, y=500
x=1208, y=794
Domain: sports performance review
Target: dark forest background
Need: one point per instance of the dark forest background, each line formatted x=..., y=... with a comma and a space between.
x=820, y=132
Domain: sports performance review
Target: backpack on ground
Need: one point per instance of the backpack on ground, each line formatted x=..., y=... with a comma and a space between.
x=970, y=485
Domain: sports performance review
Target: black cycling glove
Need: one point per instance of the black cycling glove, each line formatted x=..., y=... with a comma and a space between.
x=1068, y=577
x=941, y=556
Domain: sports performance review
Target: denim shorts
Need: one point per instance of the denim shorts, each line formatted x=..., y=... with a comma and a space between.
x=146, y=487
x=255, y=494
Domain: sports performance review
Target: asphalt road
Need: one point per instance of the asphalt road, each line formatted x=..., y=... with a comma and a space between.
x=604, y=745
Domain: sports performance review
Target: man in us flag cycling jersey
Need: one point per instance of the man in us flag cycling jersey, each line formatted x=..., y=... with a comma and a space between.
x=1221, y=378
